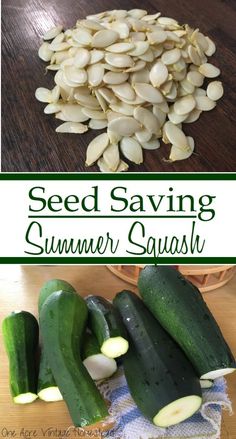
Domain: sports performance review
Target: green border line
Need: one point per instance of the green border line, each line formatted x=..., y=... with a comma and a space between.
x=116, y=260
x=113, y=177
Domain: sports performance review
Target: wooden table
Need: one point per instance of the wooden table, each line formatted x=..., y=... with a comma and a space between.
x=19, y=287
x=29, y=141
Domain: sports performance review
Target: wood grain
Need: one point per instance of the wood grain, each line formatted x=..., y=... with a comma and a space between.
x=29, y=142
x=19, y=287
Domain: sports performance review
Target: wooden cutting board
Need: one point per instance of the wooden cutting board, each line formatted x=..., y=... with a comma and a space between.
x=19, y=287
x=29, y=141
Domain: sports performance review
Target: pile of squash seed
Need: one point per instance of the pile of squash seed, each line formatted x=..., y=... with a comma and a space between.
x=136, y=75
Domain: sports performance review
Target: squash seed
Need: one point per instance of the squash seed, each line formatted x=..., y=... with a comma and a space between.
x=215, y=90
x=97, y=124
x=148, y=93
x=120, y=47
x=171, y=56
x=175, y=135
x=151, y=145
x=203, y=103
x=158, y=74
x=119, y=60
x=209, y=71
x=177, y=153
x=124, y=91
x=96, y=56
x=147, y=119
x=124, y=126
x=104, y=38
x=81, y=58
x=132, y=150
x=43, y=95
x=73, y=113
x=72, y=127
x=96, y=148
x=95, y=74
x=52, y=33
x=143, y=136
x=195, y=78
x=184, y=105
x=111, y=156
x=114, y=78
x=44, y=52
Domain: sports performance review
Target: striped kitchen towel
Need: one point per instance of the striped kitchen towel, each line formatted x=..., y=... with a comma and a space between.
x=130, y=423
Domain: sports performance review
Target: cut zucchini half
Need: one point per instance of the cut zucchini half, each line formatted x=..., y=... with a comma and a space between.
x=206, y=384
x=25, y=398
x=50, y=394
x=177, y=411
x=213, y=374
x=114, y=347
x=99, y=366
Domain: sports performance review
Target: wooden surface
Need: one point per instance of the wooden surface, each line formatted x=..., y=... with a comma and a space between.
x=29, y=142
x=19, y=287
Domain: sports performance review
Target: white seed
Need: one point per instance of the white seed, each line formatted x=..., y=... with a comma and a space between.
x=194, y=56
x=124, y=126
x=167, y=21
x=147, y=119
x=151, y=145
x=104, y=168
x=157, y=37
x=73, y=113
x=121, y=27
x=140, y=76
x=132, y=150
x=52, y=33
x=176, y=118
x=175, y=135
x=97, y=124
x=124, y=91
x=193, y=116
x=93, y=114
x=55, y=94
x=171, y=56
x=104, y=38
x=44, y=52
x=151, y=17
x=95, y=74
x=139, y=65
x=143, y=136
x=187, y=86
x=123, y=108
x=43, y=95
x=108, y=95
x=137, y=36
x=113, y=137
x=81, y=58
x=52, y=108
x=140, y=47
x=209, y=71
x=91, y=24
x=182, y=154
x=184, y=105
x=59, y=47
x=160, y=115
x=158, y=74
x=148, y=56
x=72, y=73
x=53, y=67
x=96, y=56
x=114, y=78
x=137, y=13
x=117, y=60
x=148, y=93
x=82, y=37
x=203, y=103
x=211, y=47
x=195, y=78
x=96, y=148
x=215, y=90
x=112, y=156
x=72, y=127
x=120, y=47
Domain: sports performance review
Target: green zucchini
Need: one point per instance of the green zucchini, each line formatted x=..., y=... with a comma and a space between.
x=63, y=320
x=97, y=364
x=47, y=387
x=20, y=336
x=161, y=379
x=106, y=324
x=181, y=310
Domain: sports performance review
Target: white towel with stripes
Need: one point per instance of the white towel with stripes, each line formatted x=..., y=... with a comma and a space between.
x=131, y=424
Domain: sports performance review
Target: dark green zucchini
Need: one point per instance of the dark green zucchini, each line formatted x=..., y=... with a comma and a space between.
x=161, y=379
x=97, y=364
x=63, y=320
x=106, y=324
x=20, y=335
x=179, y=307
x=47, y=387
